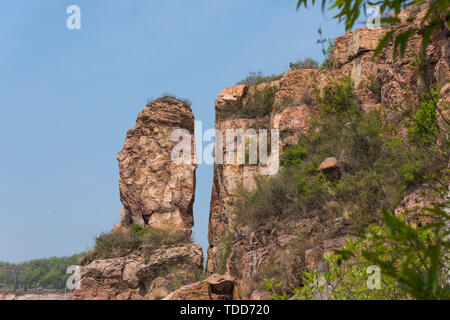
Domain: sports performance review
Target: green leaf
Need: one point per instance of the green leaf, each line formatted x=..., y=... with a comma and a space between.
x=428, y=32
x=401, y=41
x=382, y=44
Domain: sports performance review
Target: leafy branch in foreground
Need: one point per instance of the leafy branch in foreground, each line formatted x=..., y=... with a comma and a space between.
x=356, y=278
x=417, y=258
x=349, y=11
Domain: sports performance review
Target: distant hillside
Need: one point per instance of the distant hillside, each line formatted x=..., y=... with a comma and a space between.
x=47, y=273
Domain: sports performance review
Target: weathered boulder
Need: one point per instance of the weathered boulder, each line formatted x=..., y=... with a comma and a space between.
x=330, y=168
x=215, y=287
x=352, y=44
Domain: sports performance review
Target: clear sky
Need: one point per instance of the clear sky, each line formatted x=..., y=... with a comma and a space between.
x=68, y=97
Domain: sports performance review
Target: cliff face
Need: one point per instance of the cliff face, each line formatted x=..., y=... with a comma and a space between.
x=244, y=253
x=294, y=91
x=158, y=194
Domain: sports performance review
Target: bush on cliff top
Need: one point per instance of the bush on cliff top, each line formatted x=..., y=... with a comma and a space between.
x=307, y=63
x=109, y=245
x=260, y=103
x=423, y=128
x=255, y=78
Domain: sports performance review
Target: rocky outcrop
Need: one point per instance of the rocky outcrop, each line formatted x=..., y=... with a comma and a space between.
x=141, y=275
x=382, y=83
x=156, y=191
x=234, y=249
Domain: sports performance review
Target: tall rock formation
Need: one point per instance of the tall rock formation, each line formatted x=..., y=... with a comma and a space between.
x=154, y=190
x=156, y=193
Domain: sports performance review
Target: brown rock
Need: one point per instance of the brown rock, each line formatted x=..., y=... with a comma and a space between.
x=195, y=291
x=216, y=287
x=154, y=190
x=353, y=44
x=230, y=101
x=330, y=168
x=292, y=122
x=139, y=276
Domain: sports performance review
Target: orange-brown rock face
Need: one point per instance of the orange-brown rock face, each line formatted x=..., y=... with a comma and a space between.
x=154, y=190
x=243, y=253
x=215, y=287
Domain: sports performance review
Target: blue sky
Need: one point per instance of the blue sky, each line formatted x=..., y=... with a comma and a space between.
x=68, y=97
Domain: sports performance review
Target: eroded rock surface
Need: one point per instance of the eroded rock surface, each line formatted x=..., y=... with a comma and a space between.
x=215, y=287
x=154, y=190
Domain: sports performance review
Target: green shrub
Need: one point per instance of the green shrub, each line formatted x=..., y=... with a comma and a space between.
x=424, y=128
x=260, y=103
x=326, y=64
x=226, y=243
x=268, y=202
x=255, y=78
x=138, y=230
x=293, y=157
x=374, y=85
x=345, y=280
x=396, y=260
x=307, y=63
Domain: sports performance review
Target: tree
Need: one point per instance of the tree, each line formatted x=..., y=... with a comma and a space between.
x=349, y=11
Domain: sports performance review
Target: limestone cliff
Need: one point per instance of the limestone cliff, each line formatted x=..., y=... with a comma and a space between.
x=154, y=190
